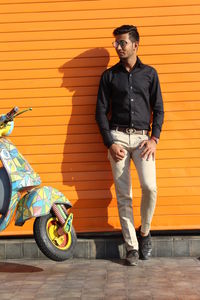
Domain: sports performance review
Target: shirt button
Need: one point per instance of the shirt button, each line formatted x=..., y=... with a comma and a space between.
x=133, y=112
x=131, y=87
x=132, y=124
x=132, y=100
x=130, y=75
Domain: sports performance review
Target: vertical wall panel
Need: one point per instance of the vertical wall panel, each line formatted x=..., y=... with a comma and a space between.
x=52, y=54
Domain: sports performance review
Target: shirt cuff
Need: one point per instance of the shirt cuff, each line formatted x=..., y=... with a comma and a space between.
x=156, y=132
x=107, y=138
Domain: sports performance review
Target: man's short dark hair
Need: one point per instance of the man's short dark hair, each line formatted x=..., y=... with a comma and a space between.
x=132, y=30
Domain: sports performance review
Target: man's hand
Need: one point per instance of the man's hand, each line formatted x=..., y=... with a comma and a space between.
x=150, y=149
x=117, y=152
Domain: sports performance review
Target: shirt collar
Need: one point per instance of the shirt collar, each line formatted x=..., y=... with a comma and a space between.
x=138, y=64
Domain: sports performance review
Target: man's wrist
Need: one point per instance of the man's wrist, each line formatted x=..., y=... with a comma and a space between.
x=110, y=146
x=155, y=139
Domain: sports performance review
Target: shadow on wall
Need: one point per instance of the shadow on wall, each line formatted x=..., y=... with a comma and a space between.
x=81, y=165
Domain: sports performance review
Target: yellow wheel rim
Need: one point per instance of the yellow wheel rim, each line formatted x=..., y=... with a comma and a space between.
x=62, y=242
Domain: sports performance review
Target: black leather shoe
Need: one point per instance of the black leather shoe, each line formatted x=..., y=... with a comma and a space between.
x=145, y=246
x=132, y=257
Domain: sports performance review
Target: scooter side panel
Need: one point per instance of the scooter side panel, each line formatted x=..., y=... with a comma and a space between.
x=38, y=203
x=5, y=220
x=21, y=173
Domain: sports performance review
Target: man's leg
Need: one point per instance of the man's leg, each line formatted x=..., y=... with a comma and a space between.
x=123, y=187
x=147, y=175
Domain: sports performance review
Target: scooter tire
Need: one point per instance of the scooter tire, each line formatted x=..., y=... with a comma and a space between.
x=45, y=244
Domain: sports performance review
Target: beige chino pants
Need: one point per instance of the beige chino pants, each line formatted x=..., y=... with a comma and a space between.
x=123, y=185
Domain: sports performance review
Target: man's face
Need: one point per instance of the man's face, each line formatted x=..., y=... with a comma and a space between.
x=125, y=48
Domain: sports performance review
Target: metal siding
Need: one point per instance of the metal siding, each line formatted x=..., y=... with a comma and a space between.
x=51, y=56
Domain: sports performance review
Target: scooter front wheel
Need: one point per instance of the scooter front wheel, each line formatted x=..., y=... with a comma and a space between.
x=54, y=246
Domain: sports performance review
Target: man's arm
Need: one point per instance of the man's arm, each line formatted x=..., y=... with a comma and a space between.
x=103, y=108
x=158, y=116
x=156, y=105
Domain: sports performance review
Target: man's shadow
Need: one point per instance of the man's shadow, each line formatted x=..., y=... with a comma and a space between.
x=80, y=168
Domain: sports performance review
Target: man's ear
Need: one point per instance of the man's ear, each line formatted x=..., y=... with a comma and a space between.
x=136, y=45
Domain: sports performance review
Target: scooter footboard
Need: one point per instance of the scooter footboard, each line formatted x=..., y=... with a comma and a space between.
x=38, y=203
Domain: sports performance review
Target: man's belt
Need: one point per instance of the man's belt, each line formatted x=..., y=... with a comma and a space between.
x=129, y=130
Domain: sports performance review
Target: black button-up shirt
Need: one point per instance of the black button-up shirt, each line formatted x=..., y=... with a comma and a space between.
x=129, y=99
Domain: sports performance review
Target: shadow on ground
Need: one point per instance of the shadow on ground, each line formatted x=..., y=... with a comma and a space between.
x=6, y=267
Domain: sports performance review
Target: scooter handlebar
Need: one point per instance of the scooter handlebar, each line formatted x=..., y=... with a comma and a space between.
x=11, y=113
x=9, y=116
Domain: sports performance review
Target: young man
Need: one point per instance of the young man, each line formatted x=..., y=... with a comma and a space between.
x=129, y=103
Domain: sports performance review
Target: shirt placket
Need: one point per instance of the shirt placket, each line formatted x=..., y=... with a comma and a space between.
x=132, y=101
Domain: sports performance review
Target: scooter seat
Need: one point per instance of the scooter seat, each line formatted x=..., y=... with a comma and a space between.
x=5, y=190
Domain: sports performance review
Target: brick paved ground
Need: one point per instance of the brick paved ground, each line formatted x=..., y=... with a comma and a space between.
x=158, y=278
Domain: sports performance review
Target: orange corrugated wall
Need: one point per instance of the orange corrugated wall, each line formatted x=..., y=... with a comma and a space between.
x=51, y=56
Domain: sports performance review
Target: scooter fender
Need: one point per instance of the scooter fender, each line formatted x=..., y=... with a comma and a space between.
x=38, y=202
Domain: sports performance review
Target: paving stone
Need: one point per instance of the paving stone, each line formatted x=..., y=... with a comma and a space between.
x=97, y=283
x=64, y=297
x=161, y=297
x=140, y=297
x=188, y=297
x=93, y=293
x=86, y=297
x=121, y=297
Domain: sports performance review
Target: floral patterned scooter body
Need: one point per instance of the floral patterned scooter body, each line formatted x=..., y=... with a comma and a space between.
x=20, y=191
x=21, y=176
x=38, y=203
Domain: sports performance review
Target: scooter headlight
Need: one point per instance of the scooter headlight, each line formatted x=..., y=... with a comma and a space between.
x=7, y=129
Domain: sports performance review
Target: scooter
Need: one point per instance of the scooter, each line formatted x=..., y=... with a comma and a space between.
x=20, y=191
